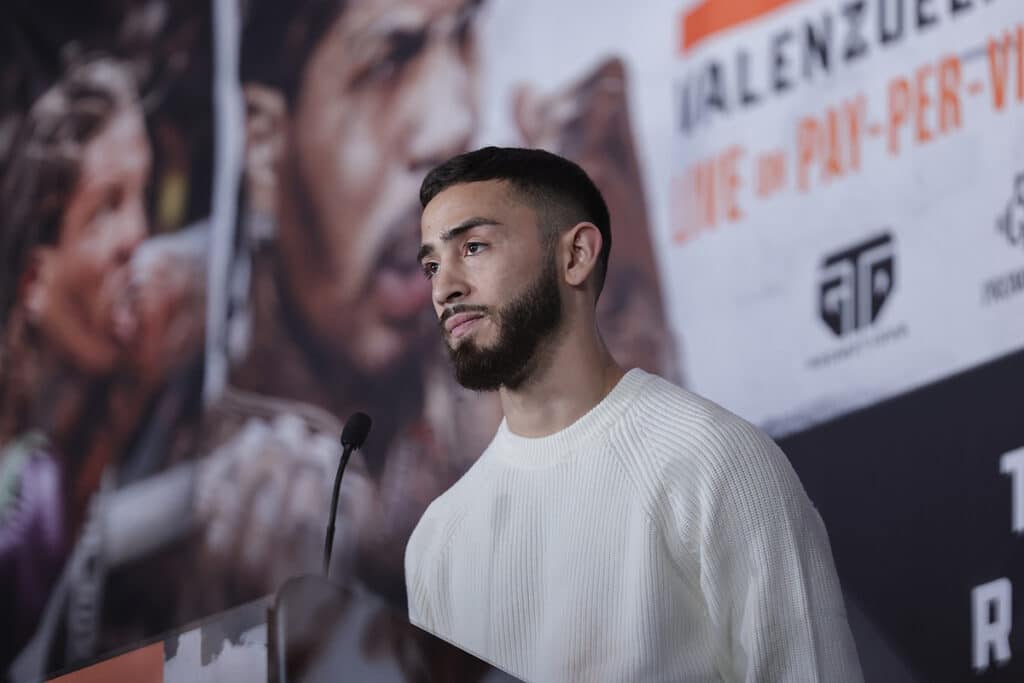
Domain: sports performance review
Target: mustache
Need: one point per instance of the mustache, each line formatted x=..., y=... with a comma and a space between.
x=461, y=308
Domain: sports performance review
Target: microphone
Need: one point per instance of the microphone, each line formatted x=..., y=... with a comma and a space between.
x=352, y=437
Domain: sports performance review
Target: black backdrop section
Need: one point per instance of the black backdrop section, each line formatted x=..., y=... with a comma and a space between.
x=918, y=514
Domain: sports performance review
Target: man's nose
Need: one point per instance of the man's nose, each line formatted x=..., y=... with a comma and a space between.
x=449, y=287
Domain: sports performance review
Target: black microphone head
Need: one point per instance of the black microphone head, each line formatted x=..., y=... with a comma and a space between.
x=356, y=429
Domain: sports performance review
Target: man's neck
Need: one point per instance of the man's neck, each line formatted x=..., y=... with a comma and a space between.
x=570, y=379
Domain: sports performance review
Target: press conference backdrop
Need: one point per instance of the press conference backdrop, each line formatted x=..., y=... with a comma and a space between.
x=208, y=248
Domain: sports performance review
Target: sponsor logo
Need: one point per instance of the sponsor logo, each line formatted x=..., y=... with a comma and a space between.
x=855, y=284
x=1009, y=226
x=1010, y=222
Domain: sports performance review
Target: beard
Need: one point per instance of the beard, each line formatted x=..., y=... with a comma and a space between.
x=523, y=325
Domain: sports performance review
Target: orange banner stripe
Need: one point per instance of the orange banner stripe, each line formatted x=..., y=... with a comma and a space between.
x=144, y=665
x=714, y=16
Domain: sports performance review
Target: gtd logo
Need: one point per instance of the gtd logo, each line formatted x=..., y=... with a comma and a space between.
x=856, y=282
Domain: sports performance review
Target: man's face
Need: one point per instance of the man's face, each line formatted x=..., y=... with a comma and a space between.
x=387, y=95
x=494, y=282
x=82, y=290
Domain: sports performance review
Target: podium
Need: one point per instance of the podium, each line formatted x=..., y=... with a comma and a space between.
x=311, y=630
x=322, y=632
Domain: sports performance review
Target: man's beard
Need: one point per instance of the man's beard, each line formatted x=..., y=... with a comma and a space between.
x=523, y=325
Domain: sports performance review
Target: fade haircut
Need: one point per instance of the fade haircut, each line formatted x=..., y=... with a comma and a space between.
x=559, y=190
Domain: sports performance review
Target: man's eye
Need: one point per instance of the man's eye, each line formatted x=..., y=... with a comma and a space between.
x=474, y=248
x=429, y=270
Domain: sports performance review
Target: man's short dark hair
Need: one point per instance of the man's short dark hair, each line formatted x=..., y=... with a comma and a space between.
x=559, y=190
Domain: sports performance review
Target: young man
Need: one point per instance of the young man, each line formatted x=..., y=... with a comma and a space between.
x=617, y=528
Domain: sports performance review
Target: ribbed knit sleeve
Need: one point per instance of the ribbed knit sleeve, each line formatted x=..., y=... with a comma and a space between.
x=427, y=559
x=427, y=542
x=765, y=565
x=418, y=598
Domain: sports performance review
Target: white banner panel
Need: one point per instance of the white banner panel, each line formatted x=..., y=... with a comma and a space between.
x=847, y=198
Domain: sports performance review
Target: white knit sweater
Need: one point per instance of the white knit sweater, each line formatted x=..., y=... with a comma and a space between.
x=657, y=538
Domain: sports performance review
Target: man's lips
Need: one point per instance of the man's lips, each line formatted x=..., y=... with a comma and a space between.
x=460, y=323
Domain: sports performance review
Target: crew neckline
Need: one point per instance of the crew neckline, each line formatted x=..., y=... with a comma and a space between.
x=536, y=452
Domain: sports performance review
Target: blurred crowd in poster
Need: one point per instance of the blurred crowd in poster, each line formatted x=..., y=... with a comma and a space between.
x=133, y=502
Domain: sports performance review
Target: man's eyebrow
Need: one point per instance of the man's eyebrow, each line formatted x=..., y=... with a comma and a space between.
x=452, y=233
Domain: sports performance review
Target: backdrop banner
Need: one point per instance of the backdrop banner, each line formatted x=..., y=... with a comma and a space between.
x=208, y=251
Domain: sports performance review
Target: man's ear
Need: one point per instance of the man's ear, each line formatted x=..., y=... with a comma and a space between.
x=266, y=120
x=582, y=249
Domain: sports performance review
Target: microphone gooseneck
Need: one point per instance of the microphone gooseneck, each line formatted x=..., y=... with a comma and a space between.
x=352, y=437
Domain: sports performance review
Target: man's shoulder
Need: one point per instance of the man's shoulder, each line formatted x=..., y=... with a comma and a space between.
x=686, y=422
x=698, y=456
x=687, y=437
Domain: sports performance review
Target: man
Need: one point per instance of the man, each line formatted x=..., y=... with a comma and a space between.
x=617, y=527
